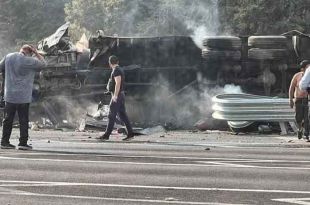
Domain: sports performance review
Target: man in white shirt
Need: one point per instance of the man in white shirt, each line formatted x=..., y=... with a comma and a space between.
x=299, y=100
x=304, y=83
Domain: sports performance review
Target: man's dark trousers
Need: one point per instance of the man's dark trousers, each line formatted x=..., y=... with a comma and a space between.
x=23, y=115
x=118, y=107
x=302, y=114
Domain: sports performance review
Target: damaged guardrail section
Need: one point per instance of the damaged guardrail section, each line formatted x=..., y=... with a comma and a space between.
x=242, y=109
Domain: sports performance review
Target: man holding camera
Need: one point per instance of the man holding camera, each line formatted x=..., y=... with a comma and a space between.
x=305, y=80
x=20, y=68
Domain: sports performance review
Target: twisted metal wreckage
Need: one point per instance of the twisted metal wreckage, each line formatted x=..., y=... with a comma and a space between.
x=261, y=65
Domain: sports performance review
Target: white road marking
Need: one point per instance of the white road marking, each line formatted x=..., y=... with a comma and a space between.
x=14, y=183
x=230, y=164
x=254, y=166
x=177, y=144
x=114, y=199
x=301, y=201
x=204, y=163
x=252, y=160
x=235, y=145
x=106, y=162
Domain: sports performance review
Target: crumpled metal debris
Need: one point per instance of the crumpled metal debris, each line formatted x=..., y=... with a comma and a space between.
x=57, y=42
x=152, y=130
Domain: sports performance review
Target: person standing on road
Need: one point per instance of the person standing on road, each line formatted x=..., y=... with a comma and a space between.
x=117, y=103
x=299, y=99
x=304, y=83
x=20, y=68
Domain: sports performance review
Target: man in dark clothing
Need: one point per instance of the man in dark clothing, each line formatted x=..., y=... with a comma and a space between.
x=117, y=104
x=20, y=68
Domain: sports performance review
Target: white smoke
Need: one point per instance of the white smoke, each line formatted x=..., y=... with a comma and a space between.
x=232, y=89
x=209, y=26
x=197, y=18
x=199, y=33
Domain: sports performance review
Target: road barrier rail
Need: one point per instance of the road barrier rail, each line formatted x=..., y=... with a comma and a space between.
x=241, y=110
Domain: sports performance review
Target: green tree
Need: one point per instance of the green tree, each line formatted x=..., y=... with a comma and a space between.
x=91, y=15
x=264, y=17
x=32, y=20
x=177, y=17
x=140, y=17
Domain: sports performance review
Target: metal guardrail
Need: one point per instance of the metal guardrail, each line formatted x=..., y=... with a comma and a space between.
x=245, y=107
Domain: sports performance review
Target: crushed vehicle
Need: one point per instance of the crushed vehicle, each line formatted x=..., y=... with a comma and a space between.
x=66, y=65
x=156, y=69
x=163, y=73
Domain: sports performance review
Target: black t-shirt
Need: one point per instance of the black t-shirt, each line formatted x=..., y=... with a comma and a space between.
x=118, y=71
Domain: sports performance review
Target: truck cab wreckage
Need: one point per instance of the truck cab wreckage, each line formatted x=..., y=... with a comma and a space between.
x=164, y=73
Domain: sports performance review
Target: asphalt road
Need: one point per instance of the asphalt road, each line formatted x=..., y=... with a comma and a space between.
x=144, y=173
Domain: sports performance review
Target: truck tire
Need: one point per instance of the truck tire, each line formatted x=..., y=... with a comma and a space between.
x=231, y=67
x=225, y=66
x=268, y=42
x=282, y=67
x=217, y=55
x=222, y=43
x=267, y=54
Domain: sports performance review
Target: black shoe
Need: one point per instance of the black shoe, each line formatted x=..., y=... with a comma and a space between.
x=299, y=134
x=103, y=138
x=24, y=147
x=129, y=137
x=7, y=146
x=307, y=138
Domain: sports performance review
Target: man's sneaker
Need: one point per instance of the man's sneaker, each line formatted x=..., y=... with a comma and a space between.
x=299, y=134
x=129, y=137
x=24, y=147
x=7, y=146
x=307, y=138
x=103, y=138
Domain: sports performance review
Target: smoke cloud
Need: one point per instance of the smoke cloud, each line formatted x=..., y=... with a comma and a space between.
x=209, y=26
x=197, y=18
x=182, y=108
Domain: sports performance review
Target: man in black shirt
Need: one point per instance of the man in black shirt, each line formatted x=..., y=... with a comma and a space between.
x=117, y=104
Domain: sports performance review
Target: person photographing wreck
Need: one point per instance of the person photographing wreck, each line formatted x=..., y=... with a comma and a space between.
x=117, y=103
x=299, y=99
x=20, y=68
x=304, y=83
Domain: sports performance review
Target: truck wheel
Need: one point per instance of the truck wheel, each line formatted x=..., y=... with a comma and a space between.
x=231, y=66
x=222, y=42
x=216, y=55
x=266, y=42
x=267, y=54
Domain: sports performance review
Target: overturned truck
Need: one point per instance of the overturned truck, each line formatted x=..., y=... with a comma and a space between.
x=166, y=75
x=157, y=70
